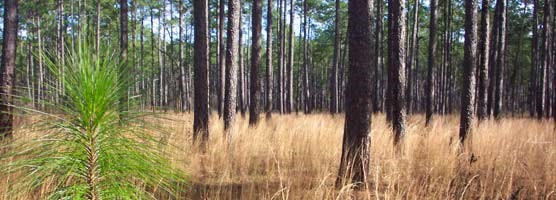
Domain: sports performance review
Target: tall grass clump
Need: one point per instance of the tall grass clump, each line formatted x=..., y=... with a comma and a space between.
x=90, y=144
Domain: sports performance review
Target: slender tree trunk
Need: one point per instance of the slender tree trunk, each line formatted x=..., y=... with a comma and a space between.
x=201, y=111
x=546, y=59
x=501, y=59
x=289, y=85
x=123, y=40
x=306, y=93
x=153, y=86
x=483, y=61
x=429, y=90
x=232, y=40
x=241, y=80
x=269, y=69
x=356, y=142
x=336, y=62
x=280, y=57
x=412, y=56
x=221, y=58
x=493, y=60
x=377, y=59
x=255, y=61
x=396, y=65
x=469, y=63
x=533, y=91
x=40, y=85
x=7, y=76
x=181, y=66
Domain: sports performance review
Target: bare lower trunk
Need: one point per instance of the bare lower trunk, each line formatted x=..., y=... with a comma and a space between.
x=231, y=66
x=7, y=75
x=200, y=119
x=255, y=62
x=356, y=142
x=429, y=90
x=269, y=68
x=396, y=66
x=469, y=64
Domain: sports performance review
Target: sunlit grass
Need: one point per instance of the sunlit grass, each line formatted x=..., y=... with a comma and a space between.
x=296, y=157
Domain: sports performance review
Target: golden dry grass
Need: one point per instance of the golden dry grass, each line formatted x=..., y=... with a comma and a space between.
x=297, y=156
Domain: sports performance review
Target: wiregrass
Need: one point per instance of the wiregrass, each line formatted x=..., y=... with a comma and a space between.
x=297, y=156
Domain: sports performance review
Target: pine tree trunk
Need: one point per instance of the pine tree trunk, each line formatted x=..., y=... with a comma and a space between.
x=241, y=71
x=483, y=61
x=221, y=58
x=469, y=63
x=501, y=58
x=40, y=85
x=7, y=76
x=123, y=39
x=306, y=91
x=201, y=62
x=269, y=68
x=429, y=88
x=546, y=61
x=289, y=85
x=336, y=62
x=412, y=57
x=181, y=66
x=396, y=66
x=255, y=62
x=377, y=59
x=232, y=42
x=533, y=91
x=356, y=142
x=280, y=57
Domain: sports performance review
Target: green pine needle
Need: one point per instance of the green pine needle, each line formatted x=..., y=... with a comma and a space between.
x=91, y=145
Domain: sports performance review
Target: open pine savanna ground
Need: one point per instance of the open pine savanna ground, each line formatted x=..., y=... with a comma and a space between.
x=297, y=157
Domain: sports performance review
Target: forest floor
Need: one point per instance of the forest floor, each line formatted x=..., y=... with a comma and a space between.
x=297, y=157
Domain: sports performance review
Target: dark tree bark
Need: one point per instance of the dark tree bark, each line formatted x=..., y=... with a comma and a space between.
x=123, y=30
x=241, y=75
x=181, y=66
x=232, y=40
x=123, y=39
x=201, y=62
x=492, y=61
x=500, y=59
x=269, y=69
x=306, y=92
x=533, y=91
x=289, y=85
x=396, y=66
x=221, y=58
x=469, y=64
x=336, y=62
x=429, y=88
x=412, y=57
x=377, y=102
x=255, y=61
x=7, y=77
x=40, y=84
x=546, y=48
x=483, y=61
x=281, y=33
x=356, y=142
x=61, y=46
